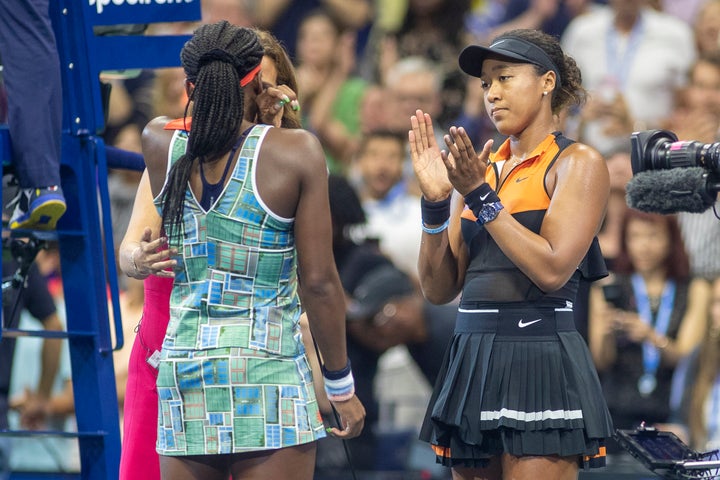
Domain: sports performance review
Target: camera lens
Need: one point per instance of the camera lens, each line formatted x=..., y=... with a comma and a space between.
x=661, y=150
x=676, y=154
x=711, y=158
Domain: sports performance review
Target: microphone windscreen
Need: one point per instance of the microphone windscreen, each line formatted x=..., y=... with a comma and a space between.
x=669, y=191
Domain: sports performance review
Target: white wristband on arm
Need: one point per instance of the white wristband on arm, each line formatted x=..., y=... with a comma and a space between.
x=339, y=384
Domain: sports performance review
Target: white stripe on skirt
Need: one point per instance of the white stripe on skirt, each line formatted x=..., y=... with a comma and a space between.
x=531, y=416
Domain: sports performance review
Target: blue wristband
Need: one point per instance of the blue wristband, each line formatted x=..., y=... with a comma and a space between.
x=433, y=231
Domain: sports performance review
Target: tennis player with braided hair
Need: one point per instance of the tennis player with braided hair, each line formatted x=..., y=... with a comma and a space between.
x=142, y=256
x=246, y=206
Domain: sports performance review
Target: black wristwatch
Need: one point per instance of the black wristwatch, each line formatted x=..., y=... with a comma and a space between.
x=489, y=212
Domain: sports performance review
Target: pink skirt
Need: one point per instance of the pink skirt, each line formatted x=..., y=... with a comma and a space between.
x=139, y=458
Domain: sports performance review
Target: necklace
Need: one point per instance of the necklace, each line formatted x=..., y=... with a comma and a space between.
x=516, y=161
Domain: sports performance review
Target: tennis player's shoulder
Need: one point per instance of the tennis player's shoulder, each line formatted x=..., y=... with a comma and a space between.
x=298, y=137
x=583, y=154
x=156, y=138
x=293, y=143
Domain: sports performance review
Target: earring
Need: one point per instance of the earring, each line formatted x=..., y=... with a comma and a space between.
x=544, y=94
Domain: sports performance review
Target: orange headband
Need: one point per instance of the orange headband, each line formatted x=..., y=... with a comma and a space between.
x=250, y=76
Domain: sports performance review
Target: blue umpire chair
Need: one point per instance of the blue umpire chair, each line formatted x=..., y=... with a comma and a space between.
x=90, y=40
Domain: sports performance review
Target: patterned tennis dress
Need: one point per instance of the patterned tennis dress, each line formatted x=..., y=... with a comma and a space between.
x=233, y=374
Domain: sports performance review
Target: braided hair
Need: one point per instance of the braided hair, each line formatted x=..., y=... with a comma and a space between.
x=215, y=59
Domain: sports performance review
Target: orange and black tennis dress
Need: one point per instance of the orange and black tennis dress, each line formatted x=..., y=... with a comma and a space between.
x=517, y=376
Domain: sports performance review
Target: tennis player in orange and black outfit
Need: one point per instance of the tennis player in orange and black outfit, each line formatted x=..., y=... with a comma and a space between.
x=517, y=395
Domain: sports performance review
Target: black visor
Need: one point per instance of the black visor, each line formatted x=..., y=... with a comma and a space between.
x=511, y=48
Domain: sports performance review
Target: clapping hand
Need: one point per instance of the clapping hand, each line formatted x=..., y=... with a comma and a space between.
x=427, y=159
x=465, y=168
x=439, y=171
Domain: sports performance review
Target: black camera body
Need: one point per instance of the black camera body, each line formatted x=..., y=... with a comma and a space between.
x=671, y=176
x=661, y=150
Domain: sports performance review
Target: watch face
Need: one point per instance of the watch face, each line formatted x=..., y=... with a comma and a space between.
x=489, y=212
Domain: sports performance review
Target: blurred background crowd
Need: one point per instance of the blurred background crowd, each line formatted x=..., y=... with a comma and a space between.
x=363, y=68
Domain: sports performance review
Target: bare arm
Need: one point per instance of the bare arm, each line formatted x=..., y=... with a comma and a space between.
x=443, y=256
x=323, y=402
x=35, y=406
x=50, y=356
x=533, y=17
x=601, y=331
x=579, y=187
x=603, y=326
x=322, y=292
x=266, y=12
x=333, y=134
x=354, y=14
x=443, y=260
x=155, y=144
x=139, y=254
x=63, y=403
x=693, y=326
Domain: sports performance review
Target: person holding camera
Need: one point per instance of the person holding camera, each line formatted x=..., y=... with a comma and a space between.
x=649, y=317
x=517, y=395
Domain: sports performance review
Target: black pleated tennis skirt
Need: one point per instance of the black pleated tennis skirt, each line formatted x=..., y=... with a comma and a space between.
x=519, y=381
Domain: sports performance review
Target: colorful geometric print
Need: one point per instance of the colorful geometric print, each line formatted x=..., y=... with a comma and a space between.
x=236, y=283
x=233, y=374
x=228, y=401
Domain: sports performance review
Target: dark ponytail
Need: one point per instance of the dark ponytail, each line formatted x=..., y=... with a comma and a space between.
x=215, y=60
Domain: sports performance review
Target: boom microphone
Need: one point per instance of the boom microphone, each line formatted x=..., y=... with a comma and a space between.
x=690, y=189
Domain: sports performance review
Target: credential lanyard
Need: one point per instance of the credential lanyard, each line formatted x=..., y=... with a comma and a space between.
x=651, y=355
x=619, y=68
x=711, y=418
